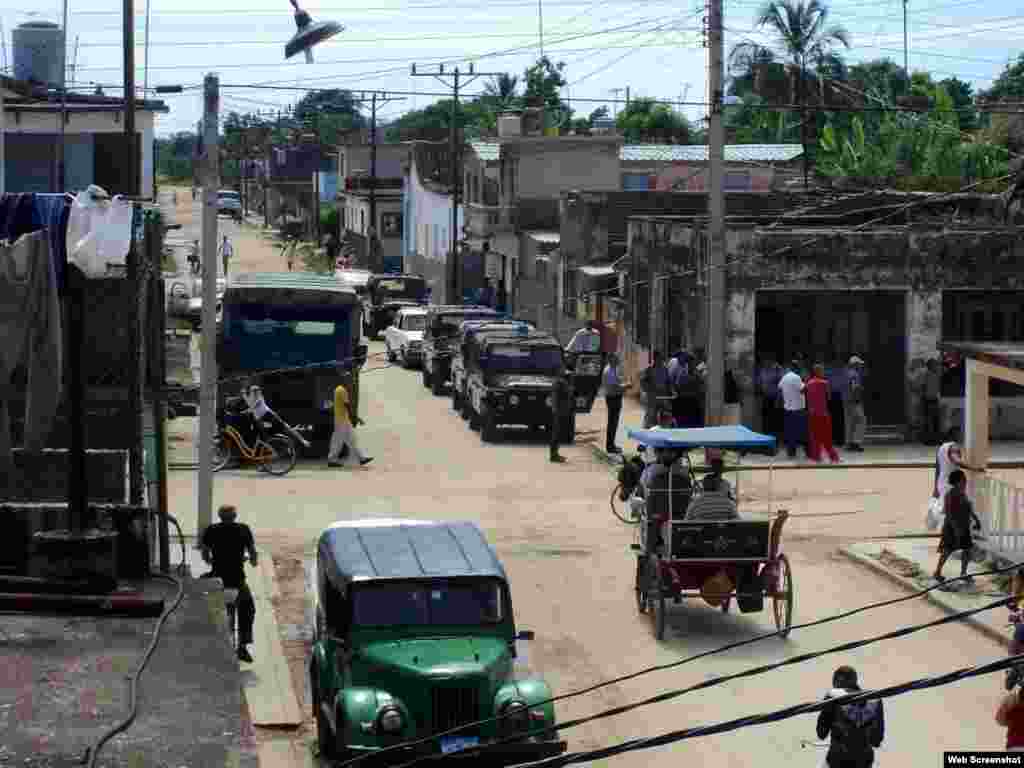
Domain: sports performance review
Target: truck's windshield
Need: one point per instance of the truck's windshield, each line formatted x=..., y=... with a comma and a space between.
x=401, y=288
x=509, y=358
x=428, y=604
x=414, y=322
x=275, y=336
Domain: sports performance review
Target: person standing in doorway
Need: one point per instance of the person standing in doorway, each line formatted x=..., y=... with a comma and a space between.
x=853, y=405
x=655, y=385
x=817, y=393
x=794, y=408
x=224, y=546
x=612, y=380
x=345, y=423
x=768, y=385
x=227, y=250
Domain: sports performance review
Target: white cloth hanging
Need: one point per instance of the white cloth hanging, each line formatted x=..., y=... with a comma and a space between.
x=99, y=231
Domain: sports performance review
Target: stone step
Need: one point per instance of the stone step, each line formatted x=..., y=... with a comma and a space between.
x=885, y=433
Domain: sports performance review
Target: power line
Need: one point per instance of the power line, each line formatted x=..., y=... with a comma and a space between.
x=687, y=660
x=721, y=680
x=921, y=684
x=396, y=8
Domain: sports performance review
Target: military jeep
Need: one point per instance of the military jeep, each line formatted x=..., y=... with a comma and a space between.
x=466, y=331
x=414, y=635
x=440, y=337
x=510, y=380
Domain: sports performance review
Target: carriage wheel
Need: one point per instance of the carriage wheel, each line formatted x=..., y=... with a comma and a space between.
x=641, y=585
x=782, y=600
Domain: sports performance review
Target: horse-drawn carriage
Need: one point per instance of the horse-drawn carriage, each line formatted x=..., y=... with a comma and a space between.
x=691, y=539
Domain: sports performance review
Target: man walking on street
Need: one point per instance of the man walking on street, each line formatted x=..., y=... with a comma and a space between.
x=794, y=406
x=345, y=423
x=853, y=405
x=817, y=393
x=226, y=252
x=613, y=390
x=224, y=545
x=560, y=404
x=655, y=385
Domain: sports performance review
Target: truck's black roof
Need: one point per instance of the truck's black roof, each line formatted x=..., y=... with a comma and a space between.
x=288, y=287
x=371, y=550
x=532, y=338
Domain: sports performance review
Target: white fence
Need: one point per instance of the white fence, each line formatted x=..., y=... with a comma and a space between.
x=1000, y=506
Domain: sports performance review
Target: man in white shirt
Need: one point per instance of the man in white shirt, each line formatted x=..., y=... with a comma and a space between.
x=794, y=408
x=587, y=339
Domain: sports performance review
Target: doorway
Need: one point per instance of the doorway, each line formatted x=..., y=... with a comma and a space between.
x=830, y=327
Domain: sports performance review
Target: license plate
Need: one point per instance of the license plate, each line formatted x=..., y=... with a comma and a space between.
x=451, y=744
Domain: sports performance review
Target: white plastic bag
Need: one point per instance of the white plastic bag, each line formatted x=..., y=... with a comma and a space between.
x=934, y=517
x=99, y=231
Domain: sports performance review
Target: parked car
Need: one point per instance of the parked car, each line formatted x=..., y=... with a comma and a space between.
x=467, y=330
x=385, y=295
x=414, y=635
x=510, y=380
x=440, y=337
x=404, y=340
x=229, y=203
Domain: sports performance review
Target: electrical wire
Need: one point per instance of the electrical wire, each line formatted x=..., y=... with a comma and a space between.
x=92, y=753
x=921, y=684
x=721, y=680
x=689, y=659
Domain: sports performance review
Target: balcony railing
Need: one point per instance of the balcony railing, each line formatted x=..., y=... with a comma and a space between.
x=1000, y=507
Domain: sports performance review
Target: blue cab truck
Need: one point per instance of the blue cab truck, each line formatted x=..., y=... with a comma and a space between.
x=298, y=335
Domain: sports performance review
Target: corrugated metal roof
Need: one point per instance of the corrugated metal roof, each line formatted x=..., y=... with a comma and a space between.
x=734, y=153
x=295, y=280
x=488, y=151
x=544, y=237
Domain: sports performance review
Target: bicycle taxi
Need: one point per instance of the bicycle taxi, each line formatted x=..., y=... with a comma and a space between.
x=693, y=542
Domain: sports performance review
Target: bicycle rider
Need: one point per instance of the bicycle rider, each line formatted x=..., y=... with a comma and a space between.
x=224, y=546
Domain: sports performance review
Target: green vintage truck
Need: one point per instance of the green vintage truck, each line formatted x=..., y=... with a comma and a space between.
x=414, y=636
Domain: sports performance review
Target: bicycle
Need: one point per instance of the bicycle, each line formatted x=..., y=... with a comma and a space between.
x=273, y=453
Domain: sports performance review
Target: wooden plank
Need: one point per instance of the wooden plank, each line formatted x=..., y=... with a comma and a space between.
x=285, y=753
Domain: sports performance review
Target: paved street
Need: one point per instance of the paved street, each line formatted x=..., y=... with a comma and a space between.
x=572, y=577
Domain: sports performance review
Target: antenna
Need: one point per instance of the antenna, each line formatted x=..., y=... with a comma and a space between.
x=308, y=33
x=3, y=42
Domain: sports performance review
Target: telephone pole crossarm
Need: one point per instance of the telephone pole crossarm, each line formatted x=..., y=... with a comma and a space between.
x=454, y=151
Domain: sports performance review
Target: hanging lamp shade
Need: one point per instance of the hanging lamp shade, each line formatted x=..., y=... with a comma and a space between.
x=308, y=33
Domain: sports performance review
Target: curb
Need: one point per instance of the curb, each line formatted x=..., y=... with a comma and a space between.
x=912, y=586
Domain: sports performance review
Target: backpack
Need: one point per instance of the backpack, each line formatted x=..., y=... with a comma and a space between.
x=855, y=734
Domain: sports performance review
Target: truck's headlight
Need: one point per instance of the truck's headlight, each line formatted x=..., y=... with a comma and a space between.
x=390, y=720
x=514, y=399
x=516, y=714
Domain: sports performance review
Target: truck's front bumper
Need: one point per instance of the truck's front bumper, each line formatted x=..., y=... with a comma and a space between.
x=496, y=757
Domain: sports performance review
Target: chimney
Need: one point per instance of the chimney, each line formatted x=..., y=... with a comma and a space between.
x=510, y=124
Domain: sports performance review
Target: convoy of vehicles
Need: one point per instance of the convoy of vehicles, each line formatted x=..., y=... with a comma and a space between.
x=510, y=380
x=404, y=339
x=306, y=324
x=385, y=295
x=440, y=338
x=414, y=636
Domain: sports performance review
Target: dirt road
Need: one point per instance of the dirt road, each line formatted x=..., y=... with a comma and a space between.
x=572, y=582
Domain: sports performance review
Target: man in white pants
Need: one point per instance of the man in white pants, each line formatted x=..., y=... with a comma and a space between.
x=344, y=430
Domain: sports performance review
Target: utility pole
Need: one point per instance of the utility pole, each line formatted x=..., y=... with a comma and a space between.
x=382, y=96
x=132, y=155
x=455, y=151
x=716, y=233
x=906, y=55
x=208, y=377
x=540, y=22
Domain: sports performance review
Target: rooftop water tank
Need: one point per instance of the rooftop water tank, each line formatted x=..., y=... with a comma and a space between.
x=39, y=52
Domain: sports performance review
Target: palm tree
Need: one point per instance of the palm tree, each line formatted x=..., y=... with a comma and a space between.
x=800, y=27
x=501, y=90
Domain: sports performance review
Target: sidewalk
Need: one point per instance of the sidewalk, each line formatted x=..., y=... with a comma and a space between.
x=910, y=563
x=590, y=429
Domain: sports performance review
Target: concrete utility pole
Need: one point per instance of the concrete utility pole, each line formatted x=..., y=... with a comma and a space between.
x=455, y=147
x=383, y=97
x=132, y=161
x=716, y=232
x=906, y=54
x=208, y=377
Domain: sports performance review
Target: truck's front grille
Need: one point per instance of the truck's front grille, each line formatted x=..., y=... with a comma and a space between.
x=452, y=707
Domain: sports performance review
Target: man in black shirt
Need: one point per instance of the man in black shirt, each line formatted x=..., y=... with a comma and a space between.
x=856, y=730
x=559, y=412
x=224, y=546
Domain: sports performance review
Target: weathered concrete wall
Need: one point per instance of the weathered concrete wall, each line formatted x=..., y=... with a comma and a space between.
x=921, y=261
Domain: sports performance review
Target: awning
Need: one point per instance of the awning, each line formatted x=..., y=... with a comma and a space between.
x=605, y=270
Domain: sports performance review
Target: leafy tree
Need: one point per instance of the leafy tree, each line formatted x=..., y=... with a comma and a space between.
x=750, y=123
x=1010, y=83
x=880, y=79
x=962, y=95
x=174, y=156
x=646, y=120
x=330, y=114
x=543, y=83
x=501, y=91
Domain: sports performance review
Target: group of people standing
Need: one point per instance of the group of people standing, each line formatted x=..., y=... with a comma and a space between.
x=799, y=404
x=675, y=391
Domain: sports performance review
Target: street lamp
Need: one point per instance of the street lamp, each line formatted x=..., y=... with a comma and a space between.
x=308, y=33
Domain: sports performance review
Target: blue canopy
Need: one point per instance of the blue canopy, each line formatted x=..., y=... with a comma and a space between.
x=731, y=437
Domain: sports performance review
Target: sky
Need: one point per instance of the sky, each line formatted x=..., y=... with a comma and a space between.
x=654, y=48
